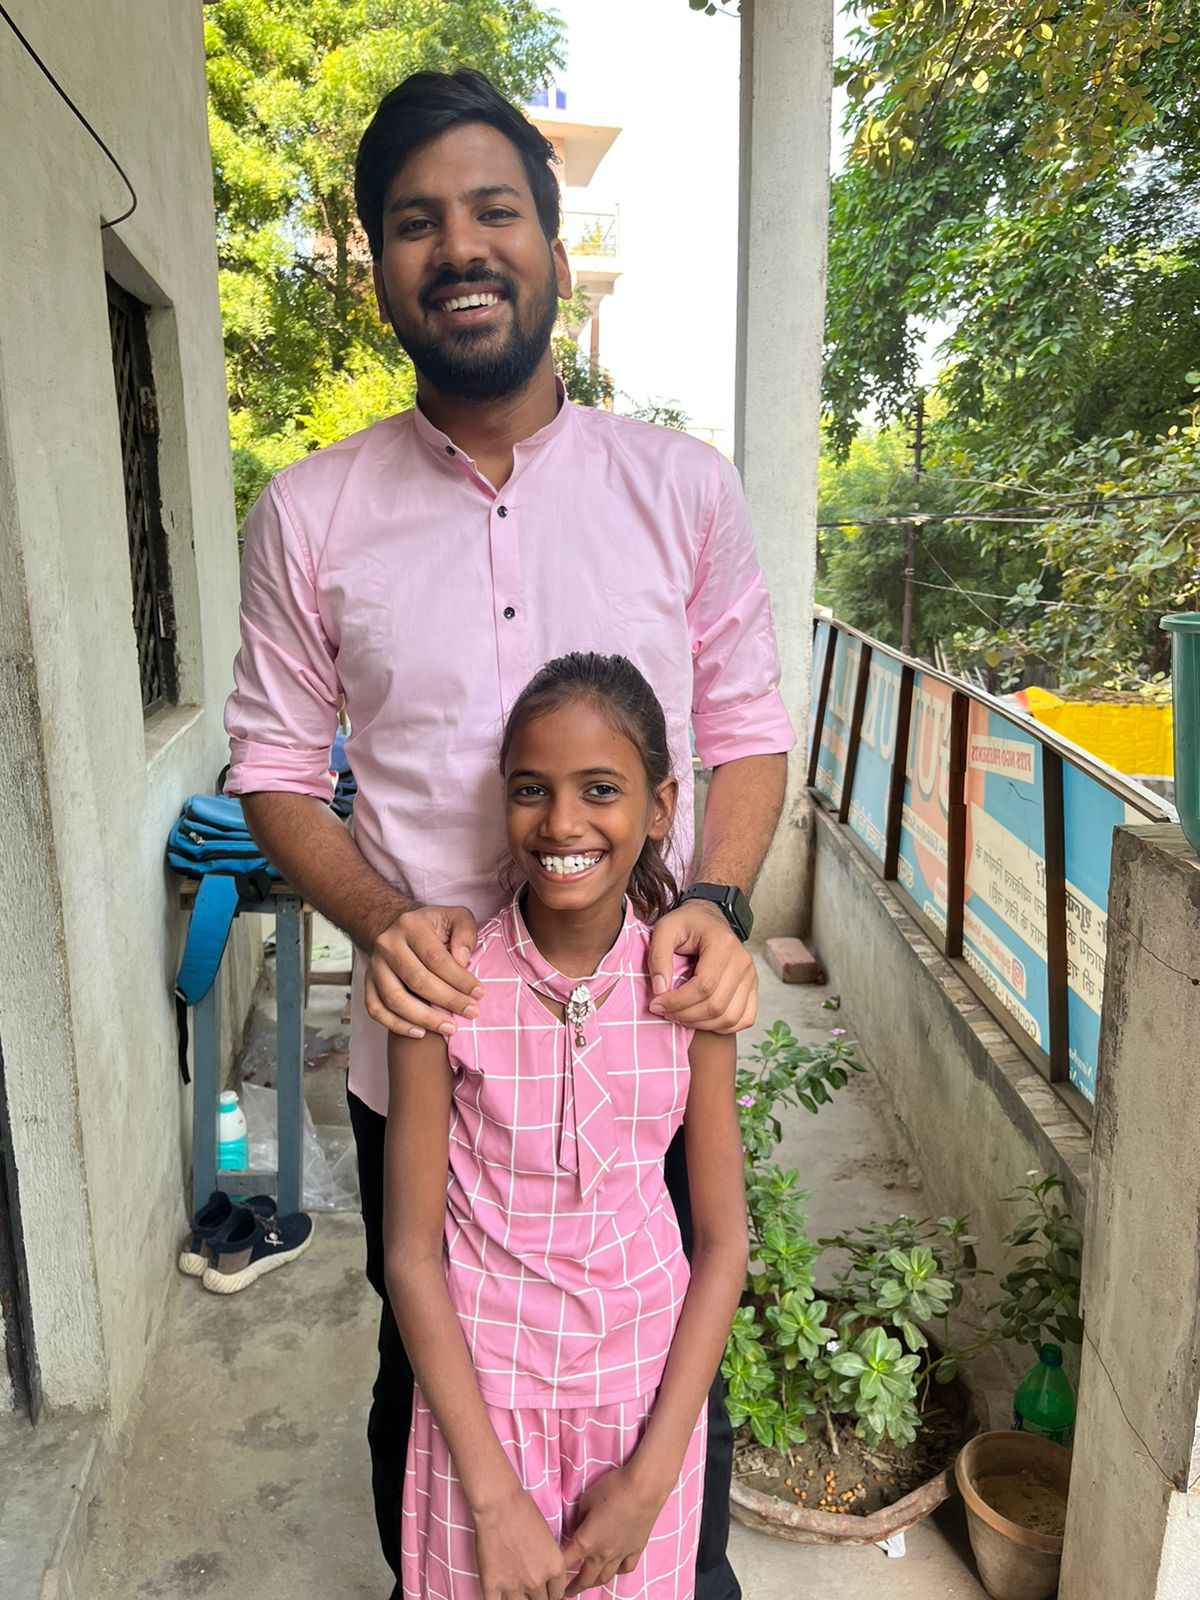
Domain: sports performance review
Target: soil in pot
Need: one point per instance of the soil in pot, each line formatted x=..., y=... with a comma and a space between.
x=1014, y=1486
x=858, y=1479
x=1027, y=1499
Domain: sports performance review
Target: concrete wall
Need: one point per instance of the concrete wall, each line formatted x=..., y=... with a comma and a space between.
x=1133, y=1526
x=787, y=48
x=88, y=788
x=974, y=1113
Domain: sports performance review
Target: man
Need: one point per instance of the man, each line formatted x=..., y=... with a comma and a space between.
x=422, y=571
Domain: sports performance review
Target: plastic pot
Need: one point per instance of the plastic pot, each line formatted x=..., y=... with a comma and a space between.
x=1184, y=628
x=1014, y=1562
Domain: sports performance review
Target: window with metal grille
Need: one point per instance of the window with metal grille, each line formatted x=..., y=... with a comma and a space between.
x=137, y=410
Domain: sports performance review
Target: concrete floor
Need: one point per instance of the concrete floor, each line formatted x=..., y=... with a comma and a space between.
x=247, y=1475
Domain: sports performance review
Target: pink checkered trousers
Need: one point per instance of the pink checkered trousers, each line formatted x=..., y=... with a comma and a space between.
x=563, y=1257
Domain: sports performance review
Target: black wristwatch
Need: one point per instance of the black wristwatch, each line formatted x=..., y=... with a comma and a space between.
x=728, y=899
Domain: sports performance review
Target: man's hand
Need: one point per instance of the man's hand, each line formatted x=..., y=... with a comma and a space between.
x=518, y=1556
x=721, y=996
x=417, y=977
x=617, y=1516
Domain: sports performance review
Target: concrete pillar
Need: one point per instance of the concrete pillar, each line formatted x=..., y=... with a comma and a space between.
x=1133, y=1523
x=787, y=49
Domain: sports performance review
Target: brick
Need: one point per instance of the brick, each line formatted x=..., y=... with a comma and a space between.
x=793, y=961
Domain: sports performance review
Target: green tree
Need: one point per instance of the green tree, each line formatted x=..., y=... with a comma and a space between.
x=861, y=558
x=585, y=382
x=1062, y=279
x=292, y=85
x=1027, y=175
x=1114, y=557
x=1081, y=71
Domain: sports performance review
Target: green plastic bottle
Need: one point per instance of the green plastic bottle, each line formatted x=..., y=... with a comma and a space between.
x=1044, y=1402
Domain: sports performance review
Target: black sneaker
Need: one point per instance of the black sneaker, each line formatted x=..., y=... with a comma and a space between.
x=254, y=1245
x=212, y=1220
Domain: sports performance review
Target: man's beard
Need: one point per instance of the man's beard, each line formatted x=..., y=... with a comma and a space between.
x=470, y=364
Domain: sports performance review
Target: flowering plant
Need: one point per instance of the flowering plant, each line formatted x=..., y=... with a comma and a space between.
x=860, y=1355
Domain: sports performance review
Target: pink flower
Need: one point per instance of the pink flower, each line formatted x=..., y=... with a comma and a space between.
x=836, y=1033
x=745, y=1099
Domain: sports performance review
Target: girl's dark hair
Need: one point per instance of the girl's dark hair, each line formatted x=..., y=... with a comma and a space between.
x=617, y=689
x=427, y=104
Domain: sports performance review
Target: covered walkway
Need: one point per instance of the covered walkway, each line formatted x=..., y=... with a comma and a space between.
x=248, y=1469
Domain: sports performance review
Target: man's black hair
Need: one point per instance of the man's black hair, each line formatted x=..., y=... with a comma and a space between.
x=427, y=104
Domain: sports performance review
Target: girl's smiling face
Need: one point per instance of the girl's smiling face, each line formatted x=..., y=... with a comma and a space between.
x=579, y=807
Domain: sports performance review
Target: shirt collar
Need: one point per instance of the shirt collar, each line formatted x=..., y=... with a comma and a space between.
x=531, y=964
x=442, y=444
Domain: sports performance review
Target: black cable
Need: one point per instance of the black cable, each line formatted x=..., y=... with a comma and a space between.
x=66, y=98
x=1014, y=514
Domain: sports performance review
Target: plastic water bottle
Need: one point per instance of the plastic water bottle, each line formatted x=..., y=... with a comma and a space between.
x=233, y=1149
x=1044, y=1402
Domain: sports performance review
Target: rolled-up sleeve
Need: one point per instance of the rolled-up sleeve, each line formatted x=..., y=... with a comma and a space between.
x=737, y=709
x=282, y=714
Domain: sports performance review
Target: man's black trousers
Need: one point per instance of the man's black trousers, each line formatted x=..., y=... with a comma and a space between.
x=391, y=1406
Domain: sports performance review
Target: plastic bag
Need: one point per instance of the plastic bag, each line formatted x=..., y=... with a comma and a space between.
x=330, y=1160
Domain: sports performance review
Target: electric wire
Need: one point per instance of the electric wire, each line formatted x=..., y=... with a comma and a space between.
x=75, y=111
x=1014, y=514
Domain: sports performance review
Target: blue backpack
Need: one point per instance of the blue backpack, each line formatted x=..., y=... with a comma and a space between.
x=210, y=841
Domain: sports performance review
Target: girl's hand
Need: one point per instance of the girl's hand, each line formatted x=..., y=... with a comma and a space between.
x=518, y=1556
x=617, y=1515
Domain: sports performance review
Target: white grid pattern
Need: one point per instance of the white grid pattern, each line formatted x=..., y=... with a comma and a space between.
x=557, y=1455
x=563, y=1258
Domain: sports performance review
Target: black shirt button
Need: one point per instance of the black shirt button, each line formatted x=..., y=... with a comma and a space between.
x=509, y=613
x=450, y=450
x=502, y=511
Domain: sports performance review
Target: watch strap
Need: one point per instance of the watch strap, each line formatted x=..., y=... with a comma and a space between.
x=729, y=900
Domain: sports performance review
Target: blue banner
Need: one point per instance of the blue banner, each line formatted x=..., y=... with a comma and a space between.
x=1004, y=916
x=877, y=744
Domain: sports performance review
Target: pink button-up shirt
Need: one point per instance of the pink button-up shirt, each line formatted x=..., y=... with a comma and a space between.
x=386, y=570
x=563, y=1257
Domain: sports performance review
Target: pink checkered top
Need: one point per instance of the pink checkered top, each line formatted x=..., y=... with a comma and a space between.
x=563, y=1256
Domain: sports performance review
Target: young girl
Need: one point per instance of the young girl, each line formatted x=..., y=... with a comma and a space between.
x=563, y=1353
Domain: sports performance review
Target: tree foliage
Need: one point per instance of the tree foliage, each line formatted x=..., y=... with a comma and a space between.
x=1067, y=280
x=292, y=85
x=1112, y=560
x=586, y=382
x=1081, y=72
x=1025, y=177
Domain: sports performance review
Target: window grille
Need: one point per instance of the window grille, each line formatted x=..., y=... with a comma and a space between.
x=137, y=410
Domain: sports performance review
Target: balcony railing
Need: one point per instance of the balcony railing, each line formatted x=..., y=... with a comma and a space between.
x=591, y=233
x=994, y=832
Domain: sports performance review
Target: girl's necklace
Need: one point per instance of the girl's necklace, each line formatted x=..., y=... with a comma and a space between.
x=577, y=1010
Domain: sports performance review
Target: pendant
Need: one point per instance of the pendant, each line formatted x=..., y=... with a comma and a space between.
x=577, y=1010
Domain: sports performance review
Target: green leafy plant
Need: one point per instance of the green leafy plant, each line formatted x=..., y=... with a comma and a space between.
x=783, y=1072
x=779, y=1329
x=905, y=1273
x=859, y=1355
x=1040, y=1295
x=877, y=1379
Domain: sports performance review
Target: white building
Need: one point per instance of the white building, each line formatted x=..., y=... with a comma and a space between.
x=591, y=218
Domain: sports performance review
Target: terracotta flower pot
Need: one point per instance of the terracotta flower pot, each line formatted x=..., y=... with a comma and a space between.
x=769, y=1513
x=1014, y=1562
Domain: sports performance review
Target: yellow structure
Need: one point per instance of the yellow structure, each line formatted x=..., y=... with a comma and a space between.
x=1134, y=737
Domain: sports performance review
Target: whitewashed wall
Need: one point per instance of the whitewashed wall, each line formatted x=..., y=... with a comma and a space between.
x=89, y=938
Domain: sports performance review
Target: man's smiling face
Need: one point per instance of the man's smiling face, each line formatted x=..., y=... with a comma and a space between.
x=467, y=278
